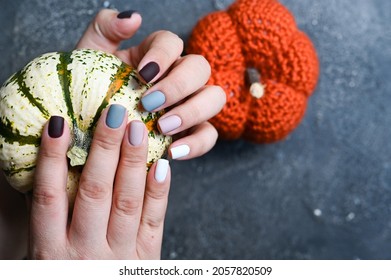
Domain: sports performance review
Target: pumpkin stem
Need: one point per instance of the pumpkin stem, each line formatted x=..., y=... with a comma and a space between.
x=78, y=150
x=257, y=89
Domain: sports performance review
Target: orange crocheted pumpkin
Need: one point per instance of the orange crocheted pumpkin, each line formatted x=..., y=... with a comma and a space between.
x=259, y=39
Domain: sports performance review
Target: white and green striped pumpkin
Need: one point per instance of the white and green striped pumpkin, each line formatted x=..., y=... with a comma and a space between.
x=76, y=85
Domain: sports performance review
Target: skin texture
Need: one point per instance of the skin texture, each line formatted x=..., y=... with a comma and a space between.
x=119, y=210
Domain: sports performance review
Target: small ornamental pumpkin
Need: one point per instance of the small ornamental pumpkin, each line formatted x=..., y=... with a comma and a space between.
x=76, y=85
x=266, y=65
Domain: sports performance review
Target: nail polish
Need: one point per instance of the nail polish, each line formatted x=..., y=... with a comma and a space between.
x=169, y=124
x=56, y=126
x=126, y=14
x=161, y=170
x=115, y=116
x=136, y=133
x=153, y=100
x=179, y=151
x=149, y=71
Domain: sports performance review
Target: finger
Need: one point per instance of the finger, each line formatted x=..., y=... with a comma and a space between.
x=188, y=74
x=108, y=29
x=154, y=55
x=199, y=108
x=200, y=140
x=93, y=200
x=150, y=235
x=129, y=189
x=49, y=205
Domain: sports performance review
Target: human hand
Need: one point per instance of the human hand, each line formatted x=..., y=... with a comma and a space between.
x=179, y=81
x=119, y=209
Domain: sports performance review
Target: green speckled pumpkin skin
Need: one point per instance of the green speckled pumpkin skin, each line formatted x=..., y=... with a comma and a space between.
x=76, y=85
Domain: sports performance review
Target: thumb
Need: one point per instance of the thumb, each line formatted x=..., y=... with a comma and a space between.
x=108, y=29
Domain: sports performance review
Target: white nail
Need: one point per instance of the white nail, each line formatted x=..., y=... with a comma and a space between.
x=180, y=151
x=161, y=170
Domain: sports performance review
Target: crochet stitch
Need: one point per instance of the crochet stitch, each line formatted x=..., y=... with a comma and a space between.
x=261, y=35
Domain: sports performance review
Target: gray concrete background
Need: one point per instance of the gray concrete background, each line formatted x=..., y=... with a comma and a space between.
x=323, y=193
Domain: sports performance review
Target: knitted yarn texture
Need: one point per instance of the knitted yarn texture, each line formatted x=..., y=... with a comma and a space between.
x=260, y=39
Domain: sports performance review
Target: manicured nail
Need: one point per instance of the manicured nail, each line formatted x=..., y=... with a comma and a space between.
x=153, y=100
x=56, y=126
x=169, y=123
x=126, y=14
x=115, y=116
x=136, y=133
x=179, y=151
x=149, y=71
x=161, y=170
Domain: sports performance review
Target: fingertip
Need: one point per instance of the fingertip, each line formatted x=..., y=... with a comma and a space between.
x=162, y=169
x=56, y=131
x=179, y=152
x=126, y=24
x=56, y=126
x=200, y=140
x=136, y=133
x=161, y=49
x=107, y=30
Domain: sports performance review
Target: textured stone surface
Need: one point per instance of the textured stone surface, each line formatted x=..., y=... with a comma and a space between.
x=325, y=192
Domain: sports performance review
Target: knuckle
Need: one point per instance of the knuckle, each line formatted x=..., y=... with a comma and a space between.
x=220, y=94
x=203, y=63
x=127, y=205
x=93, y=190
x=174, y=38
x=174, y=44
x=194, y=114
x=157, y=194
x=178, y=87
x=163, y=51
x=211, y=131
x=214, y=134
x=152, y=223
x=54, y=154
x=45, y=196
x=178, y=42
x=106, y=142
x=96, y=24
x=134, y=160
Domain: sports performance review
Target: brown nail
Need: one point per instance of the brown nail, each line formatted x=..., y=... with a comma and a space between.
x=56, y=126
x=126, y=14
x=149, y=71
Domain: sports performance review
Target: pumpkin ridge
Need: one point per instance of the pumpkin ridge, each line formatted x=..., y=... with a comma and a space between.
x=82, y=139
x=64, y=76
x=13, y=171
x=120, y=78
x=12, y=135
x=25, y=90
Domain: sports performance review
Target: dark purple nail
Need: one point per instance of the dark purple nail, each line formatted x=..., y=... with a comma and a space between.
x=149, y=71
x=126, y=14
x=56, y=126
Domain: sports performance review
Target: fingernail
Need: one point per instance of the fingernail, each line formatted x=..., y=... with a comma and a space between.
x=136, y=133
x=115, y=116
x=56, y=126
x=153, y=100
x=149, y=71
x=126, y=14
x=169, y=123
x=179, y=151
x=161, y=170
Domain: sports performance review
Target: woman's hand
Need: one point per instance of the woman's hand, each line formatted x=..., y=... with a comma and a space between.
x=179, y=81
x=119, y=209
